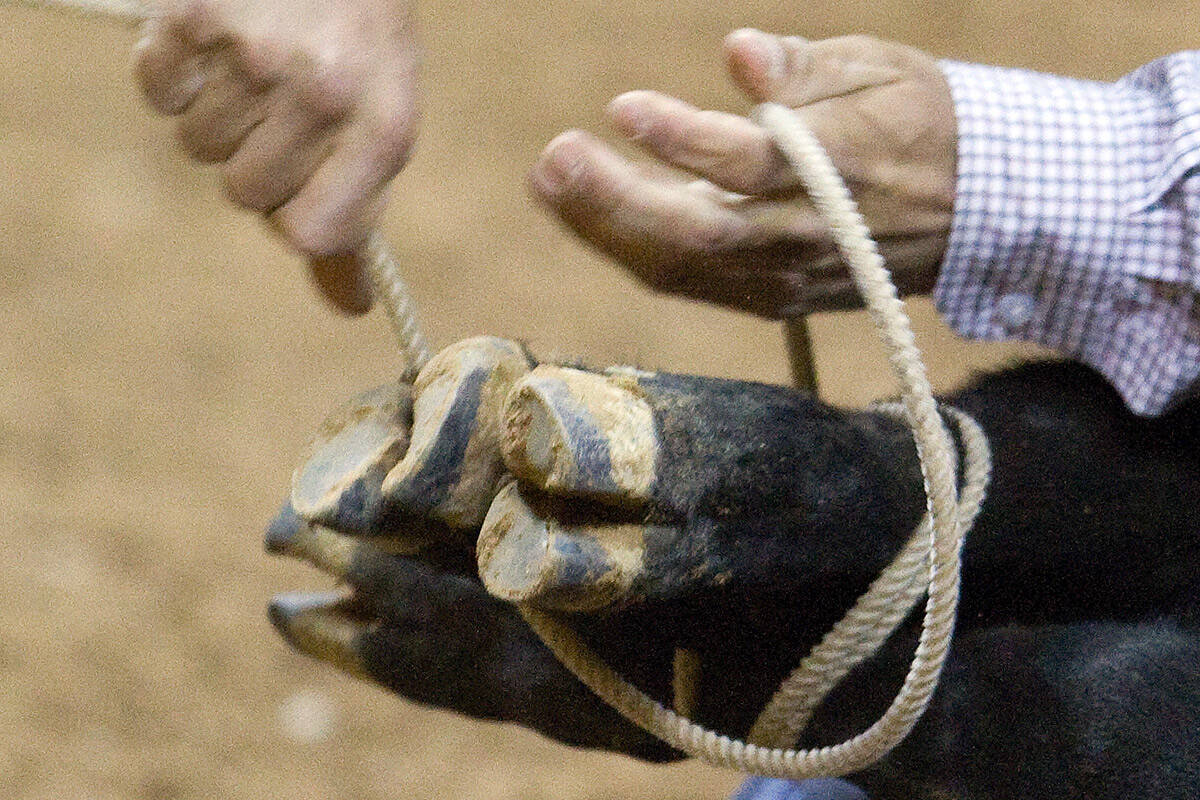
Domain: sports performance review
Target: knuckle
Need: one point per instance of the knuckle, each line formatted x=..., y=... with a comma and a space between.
x=856, y=44
x=666, y=136
x=329, y=88
x=707, y=118
x=260, y=56
x=709, y=152
x=710, y=242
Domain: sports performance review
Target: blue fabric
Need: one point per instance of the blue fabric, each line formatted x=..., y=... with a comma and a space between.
x=815, y=789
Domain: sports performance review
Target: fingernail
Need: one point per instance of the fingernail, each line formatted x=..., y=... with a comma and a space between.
x=626, y=114
x=561, y=163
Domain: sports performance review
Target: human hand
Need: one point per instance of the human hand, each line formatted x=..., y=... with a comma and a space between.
x=732, y=519
x=310, y=108
x=741, y=234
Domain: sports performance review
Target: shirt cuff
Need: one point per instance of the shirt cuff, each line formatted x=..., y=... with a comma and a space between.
x=1071, y=225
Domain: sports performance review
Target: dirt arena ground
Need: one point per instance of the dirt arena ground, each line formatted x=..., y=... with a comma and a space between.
x=163, y=361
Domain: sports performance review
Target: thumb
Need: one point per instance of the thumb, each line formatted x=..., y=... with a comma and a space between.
x=342, y=280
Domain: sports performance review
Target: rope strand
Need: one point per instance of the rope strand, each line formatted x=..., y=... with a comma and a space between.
x=131, y=12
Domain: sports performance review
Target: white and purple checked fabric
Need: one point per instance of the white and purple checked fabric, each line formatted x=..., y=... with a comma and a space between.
x=1077, y=221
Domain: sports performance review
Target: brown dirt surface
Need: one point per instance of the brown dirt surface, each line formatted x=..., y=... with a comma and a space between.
x=164, y=362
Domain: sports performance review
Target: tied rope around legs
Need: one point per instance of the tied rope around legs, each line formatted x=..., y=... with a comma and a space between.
x=929, y=562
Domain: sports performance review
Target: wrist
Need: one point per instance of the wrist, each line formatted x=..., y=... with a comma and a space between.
x=1030, y=148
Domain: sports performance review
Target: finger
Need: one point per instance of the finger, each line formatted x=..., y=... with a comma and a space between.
x=296, y=134
x=337, y=484
x=342, y=280
x=579, y=433
x=681, y=238
x=756, y=62
x=221, y=115
x=796, y=72
x=342, y=199
x=453, y=467
x=307, y=109
x=656, y=228
x=167, y=68
x=729, y=150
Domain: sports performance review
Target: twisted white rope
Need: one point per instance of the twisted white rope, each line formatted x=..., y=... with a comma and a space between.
x=881, y=608
x=130, y=12
x=889, y=598
x=854, y=639
x=392, y=293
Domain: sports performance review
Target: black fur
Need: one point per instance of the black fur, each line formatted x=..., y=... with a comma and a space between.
x=1076, y=668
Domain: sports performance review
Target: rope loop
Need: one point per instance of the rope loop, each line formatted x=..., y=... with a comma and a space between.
x=929, y=564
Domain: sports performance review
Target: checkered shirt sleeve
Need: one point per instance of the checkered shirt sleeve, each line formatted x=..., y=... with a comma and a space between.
x=1077, y=221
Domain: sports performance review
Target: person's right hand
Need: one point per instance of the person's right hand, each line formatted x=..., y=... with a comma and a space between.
x=743, y=235
x=310, y=108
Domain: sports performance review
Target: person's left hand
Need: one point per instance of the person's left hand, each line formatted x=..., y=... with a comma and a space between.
x=742, y=234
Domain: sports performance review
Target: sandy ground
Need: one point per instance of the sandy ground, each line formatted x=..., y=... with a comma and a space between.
x=163, y=361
